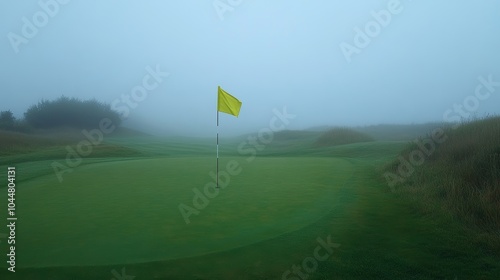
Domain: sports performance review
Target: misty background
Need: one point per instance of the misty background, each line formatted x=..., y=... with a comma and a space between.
x=268, y=54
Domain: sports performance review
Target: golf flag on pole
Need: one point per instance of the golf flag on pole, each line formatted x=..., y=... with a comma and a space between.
x=227, y=103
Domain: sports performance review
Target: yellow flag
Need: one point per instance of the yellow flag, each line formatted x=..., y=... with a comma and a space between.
x=227, y=103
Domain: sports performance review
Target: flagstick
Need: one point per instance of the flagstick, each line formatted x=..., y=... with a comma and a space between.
x=217, y=148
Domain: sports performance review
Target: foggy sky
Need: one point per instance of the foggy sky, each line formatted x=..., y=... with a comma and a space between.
x=268, y=54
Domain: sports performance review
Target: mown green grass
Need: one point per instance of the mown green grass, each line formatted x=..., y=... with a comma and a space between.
x=267, y=220
x=131, y=207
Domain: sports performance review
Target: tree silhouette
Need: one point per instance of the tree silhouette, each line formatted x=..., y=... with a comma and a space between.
x=70, y=112
x=7, y=120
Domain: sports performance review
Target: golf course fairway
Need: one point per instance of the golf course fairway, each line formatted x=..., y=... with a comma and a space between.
x=119, y=215
x=128, y=211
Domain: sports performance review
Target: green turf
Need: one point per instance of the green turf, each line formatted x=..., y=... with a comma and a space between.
x=131, y=207
x=122, y=212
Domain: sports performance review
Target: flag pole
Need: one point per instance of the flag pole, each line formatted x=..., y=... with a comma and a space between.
x=217, y=175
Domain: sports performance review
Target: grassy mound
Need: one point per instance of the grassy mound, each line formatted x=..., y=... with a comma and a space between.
x=461, y=176
x=18, y=143
x=341, y=136
x=294, y=134
x=12, y=143
x=399, y=132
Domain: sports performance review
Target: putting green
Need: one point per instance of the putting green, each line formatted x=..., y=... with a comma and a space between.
x=128, y=211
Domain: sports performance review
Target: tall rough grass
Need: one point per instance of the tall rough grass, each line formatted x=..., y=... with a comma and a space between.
x=462, y=177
